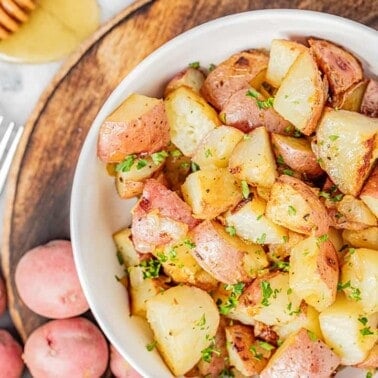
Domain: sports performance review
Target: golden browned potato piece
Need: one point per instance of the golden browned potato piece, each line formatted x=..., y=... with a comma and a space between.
x=297, y=154
x=351, y=99
x=294, y=205
x=369, y=193
x=371, y=361
x=346, y=148
x=247, y=109
x=229, y=259
x=237, y=72
x=302, y=355
x=314, y=271
x=366, y=238
x=341, y=68
x=301, y=97
x=369, y=104
x=245, y=352
x=190, y=77
x=138, y=125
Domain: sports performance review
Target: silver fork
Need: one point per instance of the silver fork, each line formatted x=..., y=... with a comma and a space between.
x=8, y=147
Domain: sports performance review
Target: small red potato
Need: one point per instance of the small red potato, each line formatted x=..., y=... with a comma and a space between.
x=11, y=364
x=48, y=283
x=3, y=296
x=369, y=104
x=64, y=348
x=120, y=367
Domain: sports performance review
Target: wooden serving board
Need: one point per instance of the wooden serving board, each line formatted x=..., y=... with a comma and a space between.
x=39, y=188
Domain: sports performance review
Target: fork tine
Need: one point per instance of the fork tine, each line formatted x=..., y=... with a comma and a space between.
x=5, y=139
x=8, y=159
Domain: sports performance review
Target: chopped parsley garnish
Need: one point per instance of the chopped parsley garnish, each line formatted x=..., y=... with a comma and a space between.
x=208, y=153
x=231, y=230
x=341, y=286
x=261, y=239
x=120, y=258
x=369, y=374
x=151, y=268
x=159, y=157
x=312, y=335
x=292, y=210
x=280, y=160
x=266, y=292
x=259, y=217
x=262, y=104
x=195, y=65
x=288, y=172
x=226, y=373
x=194, y=167
x=333, y=137
x=176, y=153
x=355, y=293
x=126, y=164
x=363, y=320
x=245, y=189
x=212, y=67
x=141, y=163
x=201, y=322
x=232, y=301
x=189, y=243
x=208, y=352
x=151, y=346
x=266, y=345
x=256, y=355
x=323, y=238
x=366, y=331
x=282, y=265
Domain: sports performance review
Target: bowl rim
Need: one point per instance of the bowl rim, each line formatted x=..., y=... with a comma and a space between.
x=115, y=98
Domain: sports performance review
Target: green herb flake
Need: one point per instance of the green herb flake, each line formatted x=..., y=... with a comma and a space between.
x=232, y=301
x=120, y=259
x=212, y=67
x=280, y=160
x=259, y=217
x=341, y=286
x=266, y=292
x=208, y=153
x=312, y=335
x=201, y=322
x=256, y=355
x=162, y=257
x=176, y=153
x=150, y=268
x=252, y=94
x=355, y=294
x=231, y=230
x=369, y=374
x=363, y=320
x=285, y=238
x=266, y=345
x=194, y=167
x=282, y=265
x=288, y=172
x=208, y=352
x=266, y=104
x=292, y=210
x=189, y=243
x=261, y=239
x=226, y=373
x=195, y=65
x=141, y=163
x=126, y=164
x=184, y=165
x=323, y=238
x=245, y=189
x=366, y=331
x=151, y=346
x=332, y=138
x=159, y=157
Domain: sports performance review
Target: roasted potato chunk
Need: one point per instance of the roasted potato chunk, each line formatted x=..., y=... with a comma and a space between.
x=201, y=190
x=247, y=109
x=179, y=317
x=346, y=147
x=297, y=154
x=239, y=71
x=369, y=193
x=348, y=331
x=216, y=147
x=366, y=238
x=341, y=68
x=229, y=259
x=190, y=77
x=245, y=352
x=250, y=223
x=369, y=104
x=371, y=361
x=314, y=271
x=294, y=205
x=351, y=99
x=190, y=118
x=125, y=247
x=313, y=358
x=359, y=278
x=138, y=125
x=301, y=97
x=252, y=159
x=283, y=54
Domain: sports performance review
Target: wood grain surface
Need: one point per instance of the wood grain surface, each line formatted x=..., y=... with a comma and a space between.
x=38, y=193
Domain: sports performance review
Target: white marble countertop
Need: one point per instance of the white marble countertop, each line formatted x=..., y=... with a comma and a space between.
x=21, y=86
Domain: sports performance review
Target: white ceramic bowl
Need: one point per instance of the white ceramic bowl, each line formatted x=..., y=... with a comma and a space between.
x=96, y=210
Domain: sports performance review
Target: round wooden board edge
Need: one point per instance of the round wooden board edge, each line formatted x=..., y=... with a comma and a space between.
x=11, y=187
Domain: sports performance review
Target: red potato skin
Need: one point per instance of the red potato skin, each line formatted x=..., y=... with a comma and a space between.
x=216, y=256
x=48, y=283
x=119, y=139
x=304, y=358
x=120, y=367
x=231, y=75
x=369, y=104
x=3, y=297
x=341, y=68
x=156, y=197
x=64, y=348
x=11, y=364
x=371, y=186
x=242, y=111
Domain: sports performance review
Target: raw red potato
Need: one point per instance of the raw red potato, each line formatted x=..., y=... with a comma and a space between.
x=11, y=364
x=120, y=367
x=239, y=71
x=66, y=348
x=246, y=109
x=48, y=283
x=3, y=296
x=369, y=104
x=302, y=355
x=159, y=217
x=138, y=125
